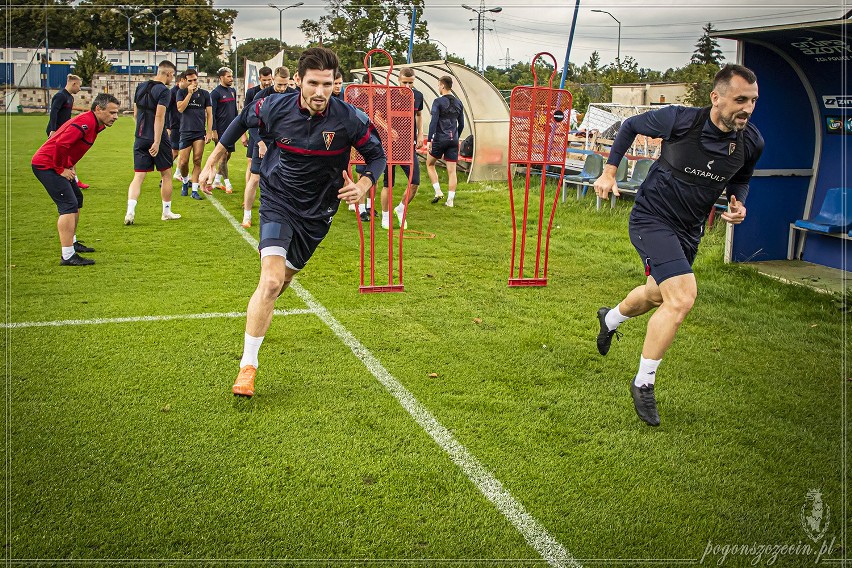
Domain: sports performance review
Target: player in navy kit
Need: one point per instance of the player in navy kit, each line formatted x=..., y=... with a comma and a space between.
x=152, y=149
x=174, y=122
x=445, y=128
x=303, y=178
x=196, y=130
x=259, y=146
x=705, y=152
x=265, y=80
x=61, y=106
x=223, y=102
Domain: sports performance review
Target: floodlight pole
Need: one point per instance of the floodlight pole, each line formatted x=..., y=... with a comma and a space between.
x=156, y=25
x=281, y=21
x=479, y=17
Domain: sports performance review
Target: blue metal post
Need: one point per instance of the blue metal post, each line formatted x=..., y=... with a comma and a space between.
x=570, y=41
x=411, y=38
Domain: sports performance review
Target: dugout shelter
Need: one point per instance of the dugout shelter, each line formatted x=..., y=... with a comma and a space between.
x=805, y=115
x=486, y=114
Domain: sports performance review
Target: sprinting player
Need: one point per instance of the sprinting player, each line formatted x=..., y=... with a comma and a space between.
x=406, y=79
x=705, y=152
x=223, y=100
x=196, y=130
x=445, y=128
x=279, y=85
x=265, y=76
x=151, y=148
x=61, y=106
x=54, y=163
x=337, y=90
x=302, y=181
x=174, y=123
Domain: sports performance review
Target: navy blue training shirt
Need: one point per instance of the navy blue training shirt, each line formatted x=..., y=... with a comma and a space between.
x=224, y=102
x=418, y=107
x=150, y=95
x=173, y=115
x=60, y=110
x=684, y=206
x=303, y=170
x=447, y=119
x=194, y=117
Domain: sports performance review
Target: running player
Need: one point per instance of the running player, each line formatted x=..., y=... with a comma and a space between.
x=53, y=164
x=151, y=148
x=302, y=182
x=196, y=130
x=223, y=100
x=445, y=128
x=705, y=152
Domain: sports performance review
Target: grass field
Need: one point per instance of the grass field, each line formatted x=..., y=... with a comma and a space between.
x=124, y=442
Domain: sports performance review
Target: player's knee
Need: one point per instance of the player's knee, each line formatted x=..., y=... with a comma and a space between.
x=681, y=302
x=285, y=285
x=272, y=284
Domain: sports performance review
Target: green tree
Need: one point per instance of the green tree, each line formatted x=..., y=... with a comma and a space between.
x=362, y=25
x=699, y=79
x=89, y=62
x=707, y=49
x=426, y=51
x=25, y=26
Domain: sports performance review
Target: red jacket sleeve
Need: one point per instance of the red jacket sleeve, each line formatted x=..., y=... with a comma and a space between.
x=65, y=140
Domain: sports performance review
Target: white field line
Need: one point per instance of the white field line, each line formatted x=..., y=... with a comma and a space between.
x=535, y=534
x=98, y=321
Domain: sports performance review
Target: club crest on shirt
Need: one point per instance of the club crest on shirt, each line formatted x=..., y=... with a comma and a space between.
x=731, y=147
x=327, y=138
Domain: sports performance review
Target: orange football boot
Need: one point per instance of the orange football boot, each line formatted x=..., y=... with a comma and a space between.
x=244, y=385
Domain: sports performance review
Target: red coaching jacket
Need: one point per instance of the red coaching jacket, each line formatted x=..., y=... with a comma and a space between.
x=68, y=144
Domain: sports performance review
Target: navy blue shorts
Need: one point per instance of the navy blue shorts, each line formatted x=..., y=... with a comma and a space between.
x=251, y=146
x=174, y=138
x=300, y=238
x=187, y=138
x=256, y=160
x=663, y=253
x=231, y=149
x=446, y=149
x=64, y=192
x=144, y=162
x=413, y=176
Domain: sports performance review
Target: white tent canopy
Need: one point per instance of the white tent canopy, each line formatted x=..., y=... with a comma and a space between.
x=486, y=114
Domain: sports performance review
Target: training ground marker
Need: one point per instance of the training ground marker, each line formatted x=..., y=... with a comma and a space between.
x=536, y=535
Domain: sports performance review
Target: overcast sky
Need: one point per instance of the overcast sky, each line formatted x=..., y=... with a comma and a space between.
x=658, y=35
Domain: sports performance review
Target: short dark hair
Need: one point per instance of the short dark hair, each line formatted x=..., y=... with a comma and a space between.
x=282, y=72
x=407, y=72
x=224, y=71
x=265, y=71
x=338, y=75
x=447, y=82
x=166, y=64
x=181, y=75
x=319, y=59
x=103, y=99
x=189, y=72
x=727, y=73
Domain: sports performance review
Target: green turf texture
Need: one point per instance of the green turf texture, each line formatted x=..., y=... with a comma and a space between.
x=124, y=441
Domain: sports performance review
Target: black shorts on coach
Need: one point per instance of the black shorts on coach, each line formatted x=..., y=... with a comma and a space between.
x=64, y=192
x=663, y=252
x=144, y=162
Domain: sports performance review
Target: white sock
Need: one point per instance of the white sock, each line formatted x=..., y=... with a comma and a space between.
x=246, y=215
x=217, y=179
x=369, y=203
x=385, y=217
x=75, y=238
x=131, y=206
x=186, y=179
x=250, y=349
x=450, y=196
x=647, y=372
x=614, y=318
x=194, y=187
x=362, y=208
x=228, y=184
x=67, y=252
x=167, y=207
x=437, y=187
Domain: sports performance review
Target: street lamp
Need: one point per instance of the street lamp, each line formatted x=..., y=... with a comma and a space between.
x=129, y=17
x=369, y=61
x=480, y=48
x=446, y=51
x=618, y=53
x=281, y=20
x=236, y=61
x=156, y=24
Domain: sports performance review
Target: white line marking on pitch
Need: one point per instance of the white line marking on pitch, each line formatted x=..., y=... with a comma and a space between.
x=535, y=534
x=99, y=321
